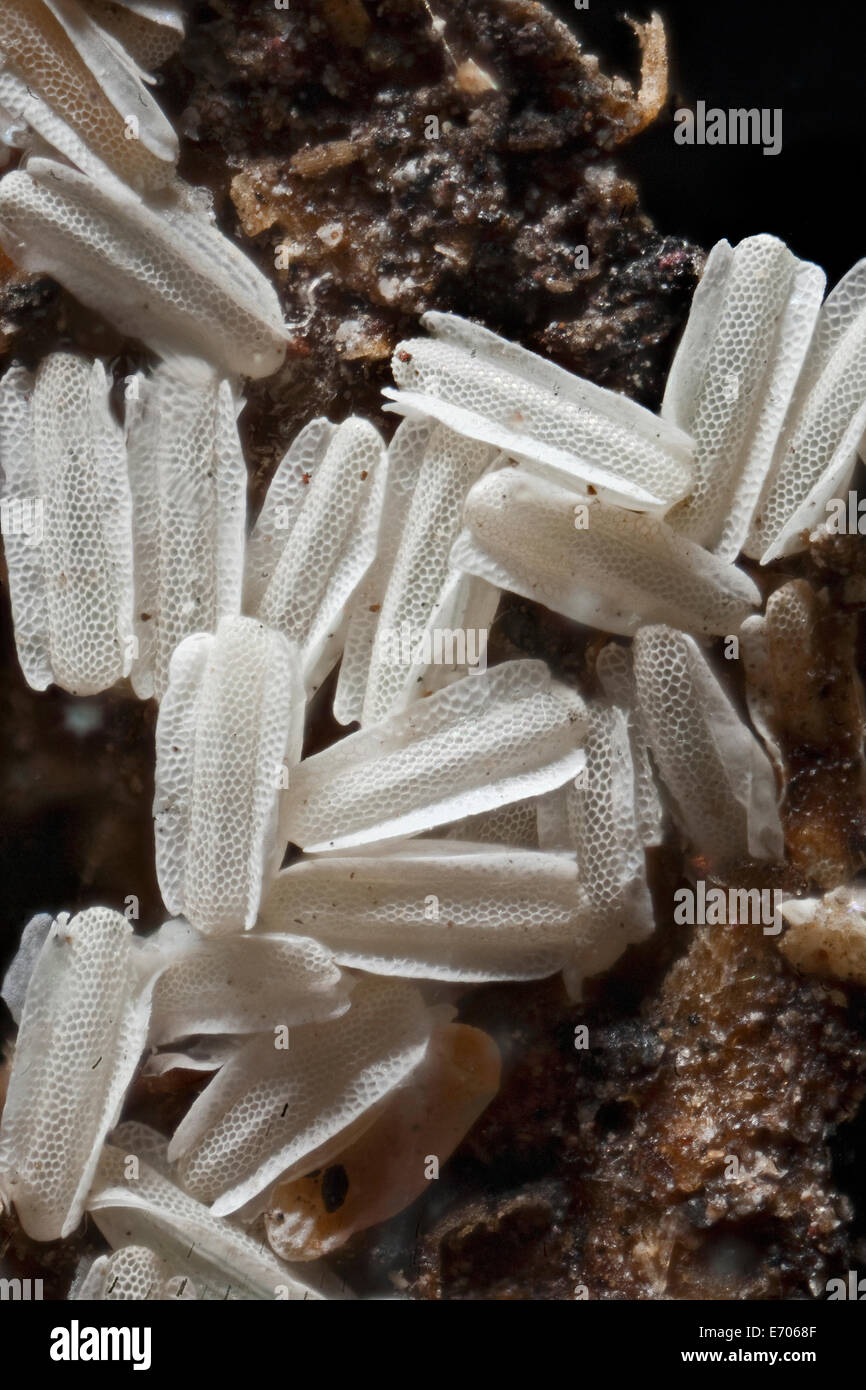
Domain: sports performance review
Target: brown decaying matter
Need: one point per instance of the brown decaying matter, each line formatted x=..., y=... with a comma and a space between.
x=618, y=1154
x=821, y=730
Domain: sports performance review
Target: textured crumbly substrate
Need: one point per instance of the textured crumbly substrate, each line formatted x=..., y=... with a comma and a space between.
x=605, y=1167
x=610, y=1166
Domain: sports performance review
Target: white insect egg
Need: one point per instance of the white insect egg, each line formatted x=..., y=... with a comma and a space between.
x=149, y=30
x=414, y=592
x=601, y=565
x=135, y=1199
x=67, y=525
x=499, y=394
x=227, y=738
x=732, y=379
x=275, y=980
x=84, y=1020
x=316, y=538
x=280, y=1111
x=437, y=909
x=189, y=481
x=486, y=740
x=165, y=275
x=817, y=449
x=132, y=1274
x=721, y=781
x=77, y=89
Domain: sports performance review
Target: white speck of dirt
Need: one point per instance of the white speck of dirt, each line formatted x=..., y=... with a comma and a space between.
x=331, y=233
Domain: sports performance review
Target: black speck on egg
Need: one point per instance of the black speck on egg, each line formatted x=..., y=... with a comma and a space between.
x=335, y=1185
